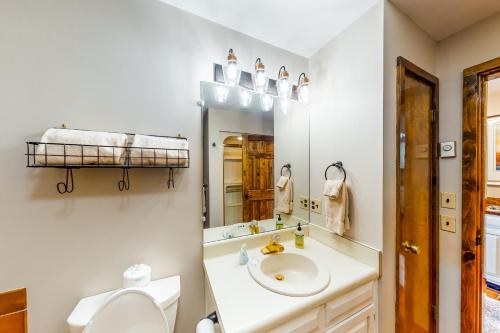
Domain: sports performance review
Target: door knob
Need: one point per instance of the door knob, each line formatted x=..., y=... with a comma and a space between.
x=411, y=247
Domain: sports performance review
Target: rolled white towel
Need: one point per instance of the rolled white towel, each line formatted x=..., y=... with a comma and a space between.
x=157, y=150
x=60, y=146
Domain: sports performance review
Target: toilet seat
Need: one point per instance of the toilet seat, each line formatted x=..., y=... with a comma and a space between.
x=129, y=311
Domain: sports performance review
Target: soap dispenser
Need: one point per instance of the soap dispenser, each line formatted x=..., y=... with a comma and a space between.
x=243, y=254
x=299, y=237
x=279, y=223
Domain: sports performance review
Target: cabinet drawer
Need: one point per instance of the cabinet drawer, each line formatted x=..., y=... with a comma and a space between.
x=311, y=322
x=361, y=322
x=346, y=305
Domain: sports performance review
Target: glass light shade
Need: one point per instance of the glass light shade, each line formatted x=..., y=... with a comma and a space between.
x=303, y=93
x=260, y=82
x=283, y=103
x=266, y=102
x=284, y=87
x=231, y=73
x=245, y=98
x=221, y=94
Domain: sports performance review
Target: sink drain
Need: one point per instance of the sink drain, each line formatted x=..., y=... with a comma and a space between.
x=279, y=277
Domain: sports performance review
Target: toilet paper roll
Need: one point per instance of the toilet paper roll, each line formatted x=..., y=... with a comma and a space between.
x=205, y=326
x=138, y=275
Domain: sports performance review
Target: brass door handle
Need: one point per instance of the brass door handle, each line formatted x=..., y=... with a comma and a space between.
x=411, y=247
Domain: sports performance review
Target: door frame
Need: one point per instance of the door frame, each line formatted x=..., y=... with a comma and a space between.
x=403, y=67
x=473, y=190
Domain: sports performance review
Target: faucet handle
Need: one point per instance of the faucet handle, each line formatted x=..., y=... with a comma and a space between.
x=276, y=238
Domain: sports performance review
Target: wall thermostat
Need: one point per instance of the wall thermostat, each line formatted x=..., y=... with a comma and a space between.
x=448, y=149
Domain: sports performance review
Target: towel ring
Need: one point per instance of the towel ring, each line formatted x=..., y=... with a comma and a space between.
x=288, y=167
x=339, y=166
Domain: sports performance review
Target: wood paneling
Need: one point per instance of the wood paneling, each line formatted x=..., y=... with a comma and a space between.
x=417, y=199
x=13, y=312
x=473, y=190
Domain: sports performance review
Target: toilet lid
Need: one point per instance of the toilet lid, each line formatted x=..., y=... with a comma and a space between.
x=129, y=311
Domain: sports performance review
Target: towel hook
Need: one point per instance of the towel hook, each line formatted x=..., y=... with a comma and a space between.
x=68, y=186
x=170, y=178
x=339, y=165
x=124, y=184
x=288, y=167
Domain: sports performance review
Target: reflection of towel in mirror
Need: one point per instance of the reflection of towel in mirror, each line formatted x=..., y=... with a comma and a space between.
x=284, y=195
x=337, y=211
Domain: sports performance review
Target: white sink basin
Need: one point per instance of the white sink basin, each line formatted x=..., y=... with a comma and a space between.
x=290, y=274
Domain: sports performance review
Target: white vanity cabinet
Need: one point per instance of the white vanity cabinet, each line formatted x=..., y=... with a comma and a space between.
x=350, y=313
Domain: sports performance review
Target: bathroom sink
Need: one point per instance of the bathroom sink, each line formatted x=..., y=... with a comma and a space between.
x=290, y=274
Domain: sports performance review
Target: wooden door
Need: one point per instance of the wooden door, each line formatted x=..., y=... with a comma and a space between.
x=13, y=312
x=258, y=177
x=417, y=200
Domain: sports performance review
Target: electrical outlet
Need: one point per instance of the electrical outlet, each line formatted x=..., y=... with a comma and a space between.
x=304, y=202
x=316, y=205
x=448, y=223
x=448, y=200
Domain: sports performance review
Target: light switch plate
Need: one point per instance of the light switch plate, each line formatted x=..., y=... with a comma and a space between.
x=448, y=200
x=304, y=202
x=448, y=149
x=448, y=223
x=316, y=205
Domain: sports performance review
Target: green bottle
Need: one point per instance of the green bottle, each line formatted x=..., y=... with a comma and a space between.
x=279, y=223
x=299, y=237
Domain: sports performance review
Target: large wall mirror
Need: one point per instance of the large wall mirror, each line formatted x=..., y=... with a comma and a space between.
x=249, y=142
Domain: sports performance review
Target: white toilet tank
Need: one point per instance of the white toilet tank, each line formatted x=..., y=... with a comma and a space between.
x=166, y=293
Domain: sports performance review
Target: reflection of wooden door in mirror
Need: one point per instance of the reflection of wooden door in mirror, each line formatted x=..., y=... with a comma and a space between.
x=417, y=203
x=258, y=177
x=13, y=312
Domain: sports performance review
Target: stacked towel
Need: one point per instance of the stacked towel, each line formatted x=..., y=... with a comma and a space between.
x=285, y=195
x=159, y=151
x=336, y=206
x=68, y=143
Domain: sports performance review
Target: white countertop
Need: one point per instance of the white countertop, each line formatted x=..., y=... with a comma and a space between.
x=243, y=306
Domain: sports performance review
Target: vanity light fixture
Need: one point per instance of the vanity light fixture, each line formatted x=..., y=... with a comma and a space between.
x=231, y=71
x=266, y=102
x=303, y=89
x=259, y=79
x=283, y=103
x=283, y=84
x=245, y=98
x=221, y=93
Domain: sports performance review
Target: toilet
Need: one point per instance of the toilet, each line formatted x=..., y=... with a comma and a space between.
x=148, y=309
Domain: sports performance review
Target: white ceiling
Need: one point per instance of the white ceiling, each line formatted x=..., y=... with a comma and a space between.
x=299, y=26
x=442, y=18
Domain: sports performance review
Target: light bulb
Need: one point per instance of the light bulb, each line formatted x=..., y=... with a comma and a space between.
x=221, y=94
x=245, y=98
x=231, y=71
x=283, y=85
x=259, y=78
x=283, y=105
x=303, y=89
x=266, y=102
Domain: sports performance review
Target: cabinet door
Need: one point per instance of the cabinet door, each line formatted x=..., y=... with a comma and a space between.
x=361, y=322
x=346, y=305
x=311, y=322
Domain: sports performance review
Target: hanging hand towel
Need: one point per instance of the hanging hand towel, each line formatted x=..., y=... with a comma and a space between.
x=332, y=188
x=285, y=195
x=337, y=211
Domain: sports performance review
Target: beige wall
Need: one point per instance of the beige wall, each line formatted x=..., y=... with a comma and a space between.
x=117, y=65
x=347, y=120
x=404, y=38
